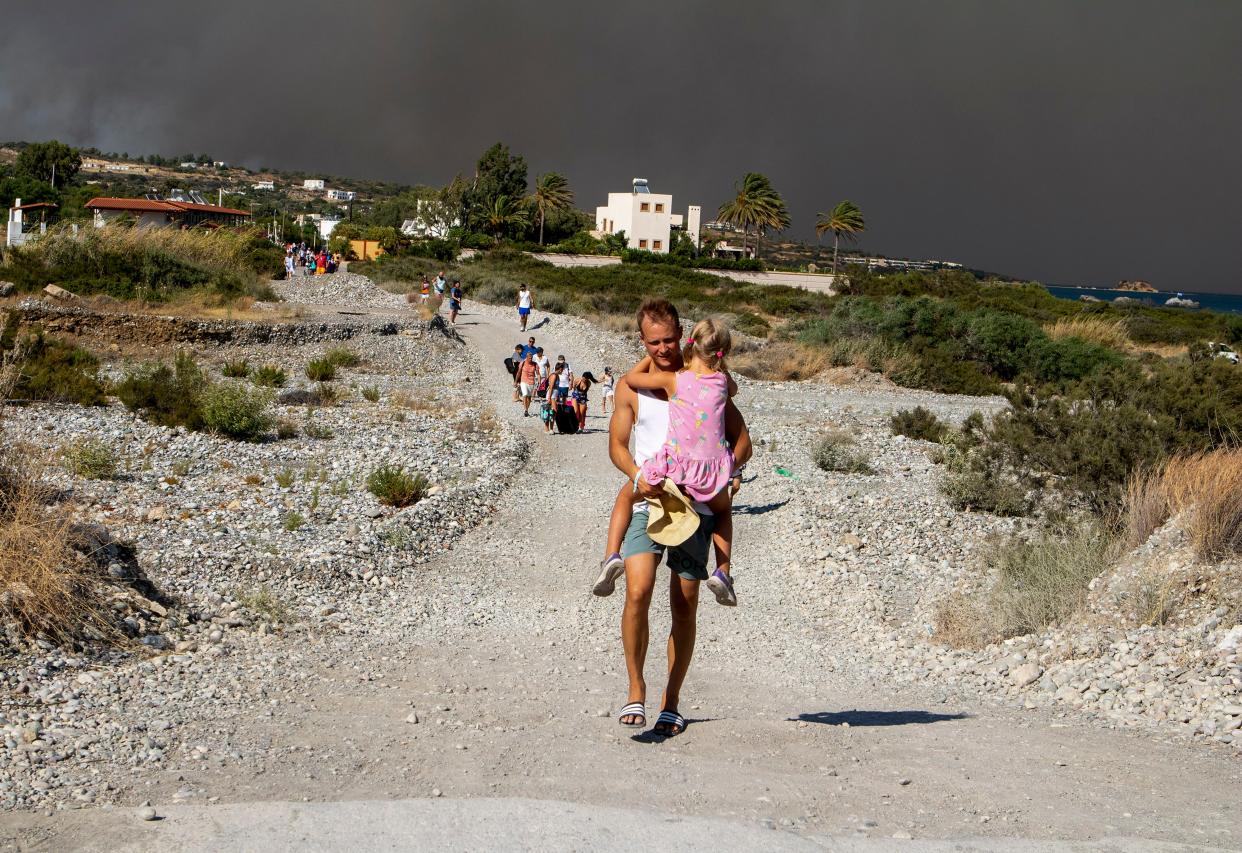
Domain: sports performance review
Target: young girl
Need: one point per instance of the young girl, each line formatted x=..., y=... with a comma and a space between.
x=610, y=389
x=695, y=454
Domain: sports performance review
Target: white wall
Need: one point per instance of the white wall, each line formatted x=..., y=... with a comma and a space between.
x=624, y=213
x=146, y=219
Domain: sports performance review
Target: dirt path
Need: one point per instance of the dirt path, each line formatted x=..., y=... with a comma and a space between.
x=514, y=674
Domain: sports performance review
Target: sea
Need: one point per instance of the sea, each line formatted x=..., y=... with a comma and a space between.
x=1228, y=303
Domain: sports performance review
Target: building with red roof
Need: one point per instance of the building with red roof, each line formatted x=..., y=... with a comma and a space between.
x=148, y=212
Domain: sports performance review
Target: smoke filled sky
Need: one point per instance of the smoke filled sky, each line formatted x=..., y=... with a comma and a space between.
x=1072, y=142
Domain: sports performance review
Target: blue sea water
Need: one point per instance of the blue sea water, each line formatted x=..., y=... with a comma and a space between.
x=1229, y=303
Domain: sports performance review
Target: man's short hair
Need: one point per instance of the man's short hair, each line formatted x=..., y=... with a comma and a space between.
x=658, y=310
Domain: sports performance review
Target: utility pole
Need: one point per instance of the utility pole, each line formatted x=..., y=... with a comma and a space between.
x=53, y=176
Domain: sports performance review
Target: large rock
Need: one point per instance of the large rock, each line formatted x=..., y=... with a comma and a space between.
x=7, y=288
x=1026, y=674
x=57, y=292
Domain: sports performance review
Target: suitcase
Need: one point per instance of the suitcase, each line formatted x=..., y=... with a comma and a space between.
x=566, y=420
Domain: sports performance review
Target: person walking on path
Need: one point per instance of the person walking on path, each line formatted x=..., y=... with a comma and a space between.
x=578, y=396
x=525, y=302
x=529, y=378
x=644, y=416
x=455, y=297
x=609, y=384
x=512, y=364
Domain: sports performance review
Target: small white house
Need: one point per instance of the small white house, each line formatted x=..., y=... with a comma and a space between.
x=312, y=184
x=327, y=226
x=339, y=195
x=647, y=218
x=265, y=185
x=431, y=219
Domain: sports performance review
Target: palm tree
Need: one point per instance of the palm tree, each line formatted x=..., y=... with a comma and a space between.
x=505, y=213
x=755, y=204
x=845, y=219
x=552, y=193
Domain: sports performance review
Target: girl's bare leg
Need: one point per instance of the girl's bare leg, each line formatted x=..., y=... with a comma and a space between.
x=722, y=537
x=622, y=513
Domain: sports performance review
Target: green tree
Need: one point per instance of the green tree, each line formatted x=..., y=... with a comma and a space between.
x=552, y=193
x=53, y=162
x=497, y=174
x=505, y=214
x=755, y=204
x=845, y=219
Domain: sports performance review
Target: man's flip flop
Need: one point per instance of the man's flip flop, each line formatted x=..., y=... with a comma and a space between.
x=634, y=709
x=670, y=718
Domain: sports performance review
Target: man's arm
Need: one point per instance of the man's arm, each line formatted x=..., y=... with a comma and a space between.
x=624, y=413
x=737, y=434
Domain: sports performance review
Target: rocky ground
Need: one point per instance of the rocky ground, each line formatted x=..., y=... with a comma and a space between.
x=454, y=650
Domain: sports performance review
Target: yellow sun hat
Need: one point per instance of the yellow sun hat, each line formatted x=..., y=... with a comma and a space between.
x=671, y=519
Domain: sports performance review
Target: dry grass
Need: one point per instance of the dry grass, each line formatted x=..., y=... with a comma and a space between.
x=417, y=401
x=620, y=324
x=47, y=588
x=779, y=361
x=1205, y=486
x=1096, y=330
x=1209, y=486
x=1034, y=583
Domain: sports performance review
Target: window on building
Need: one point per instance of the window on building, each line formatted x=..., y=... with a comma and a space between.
x=659, y=207
x=657, y=245
x=642, y=244
x=643, y=207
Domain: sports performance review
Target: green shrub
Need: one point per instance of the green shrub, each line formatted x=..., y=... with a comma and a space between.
x=293, y=521
x=50, y=369
x=239, y=369
x=168, y=396
x=270, y=376
x=970, y=483
x=371, y=393
x=342, y=357
x=394, y=487
x=285, y=477
x=286, y=429
x=320, y=370
x=835, y=451
x=237, y=411
x=314, y=429
x=919, y=423
x=90, y=458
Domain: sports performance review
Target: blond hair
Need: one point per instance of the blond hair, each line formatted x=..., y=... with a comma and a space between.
x=710, y=341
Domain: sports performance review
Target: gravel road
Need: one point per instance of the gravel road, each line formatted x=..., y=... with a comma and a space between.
x=491, y=672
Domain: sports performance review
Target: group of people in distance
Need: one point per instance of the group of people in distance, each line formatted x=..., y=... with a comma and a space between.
x=440, y=287
x=562, y=396
x=677, y=406
x=301, y=258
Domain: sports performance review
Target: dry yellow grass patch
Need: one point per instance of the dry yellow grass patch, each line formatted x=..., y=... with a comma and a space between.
x=418, y=401
x=1206, y=486
x=1097, y=330
x=779, y=361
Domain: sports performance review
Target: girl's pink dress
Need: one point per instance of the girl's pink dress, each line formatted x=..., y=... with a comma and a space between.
x=695, y=455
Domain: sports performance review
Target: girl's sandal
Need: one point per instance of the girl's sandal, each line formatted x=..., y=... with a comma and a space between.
x=670, y=724
x=634, y=709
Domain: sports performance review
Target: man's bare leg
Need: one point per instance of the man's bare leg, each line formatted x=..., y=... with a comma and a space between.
x=640, y=572
x=683, y=596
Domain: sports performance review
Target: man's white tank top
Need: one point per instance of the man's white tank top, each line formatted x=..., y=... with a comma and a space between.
x=650, y=433
x=523, y=298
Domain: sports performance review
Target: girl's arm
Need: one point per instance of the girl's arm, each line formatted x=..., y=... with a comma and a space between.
x=640, y=380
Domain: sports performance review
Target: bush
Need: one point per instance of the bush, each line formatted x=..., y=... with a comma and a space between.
x=269, y=376
x=236, y=369
x=1205, y=486
x=1036, y=583
x=50, y=369
x=320, y=370
x=394, y=487
x=237, y=411
x=342, y=357
x=835, y=451
x=317, y=431
x=371, y=393
x=168, y=396
x=779, y=361
x=286, y=429
x=293, y=521
x=1105, y=331
x=919, y=423
x=90, y=458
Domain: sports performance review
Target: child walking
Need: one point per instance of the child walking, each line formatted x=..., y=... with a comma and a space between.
x=695, y=454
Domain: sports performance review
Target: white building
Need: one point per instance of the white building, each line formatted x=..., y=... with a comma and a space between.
x=339, y=195
x=327, y=226
x=647, y=218
x=431, y=219
x=312, y=184
x=265, y=185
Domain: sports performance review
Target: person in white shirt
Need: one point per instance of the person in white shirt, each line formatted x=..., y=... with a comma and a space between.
x=525, y=302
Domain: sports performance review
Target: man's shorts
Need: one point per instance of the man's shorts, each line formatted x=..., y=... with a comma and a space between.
x=522, y=312
x=527, y=389
x=689, y=559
